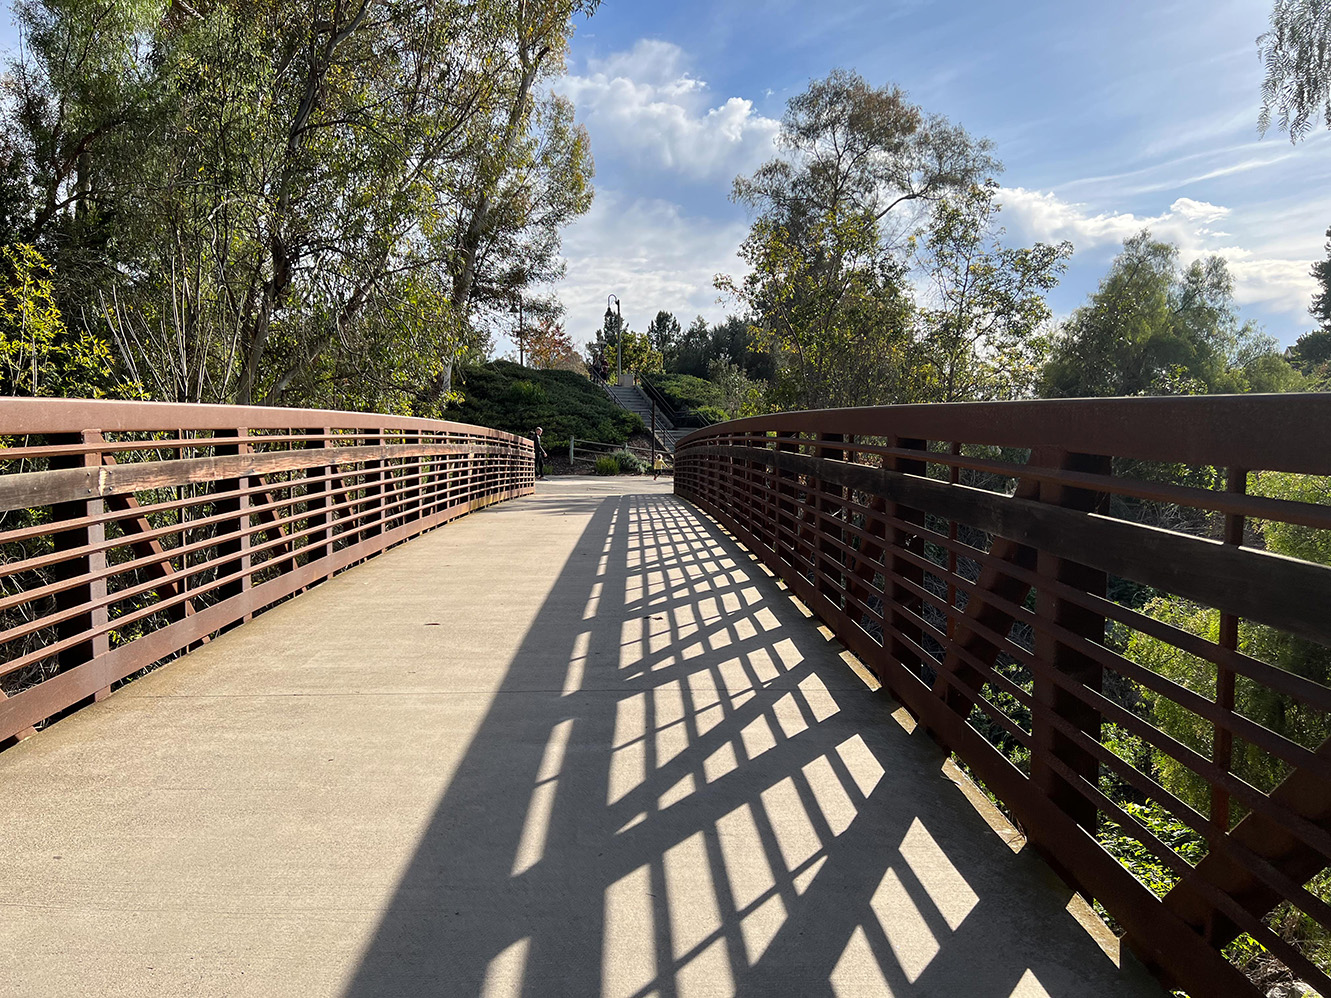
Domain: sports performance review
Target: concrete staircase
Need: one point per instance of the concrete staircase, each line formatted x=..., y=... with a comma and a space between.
x=635, y=400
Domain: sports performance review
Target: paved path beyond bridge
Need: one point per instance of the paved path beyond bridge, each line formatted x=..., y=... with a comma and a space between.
x=577, y=745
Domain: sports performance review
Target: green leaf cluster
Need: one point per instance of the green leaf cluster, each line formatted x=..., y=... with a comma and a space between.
x=518, y=399
x=1154, y=327
x=39, y=354
x=276, y=203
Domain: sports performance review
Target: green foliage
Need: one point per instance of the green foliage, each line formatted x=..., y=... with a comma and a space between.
x=1252, y=699
x=734, y=338
x=1311, y=352
x=740, y=395
x=607, y=465
x=518, y=399
x=978, y=329
x=1288, y=538
x=527, y=393
x=629, y=463
x=1256, y=701
x=1321, y=305
x=713, y=414
x=639, y=354
x=1297, y=55
x=663, y=333
x=266, y=205
x=684, y=391
x=1141, y=861
x=1155, y=328
x=1311, y=355
x=39, y=355
x=827, y=286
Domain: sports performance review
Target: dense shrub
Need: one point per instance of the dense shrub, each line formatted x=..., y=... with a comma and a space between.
x=519, y=399
x=629, y=463
x=684, y=391
x=607, y=465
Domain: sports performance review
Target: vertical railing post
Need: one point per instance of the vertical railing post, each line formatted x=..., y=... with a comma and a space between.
x=413, y=480
x=953, y=478
x=90, y=595
x=233, y=535
x=319, y=497
x=831, y=504
x=785, y=500
x=763, y=497
x=1051, y=653
x=1222, y=747
x=372, y=489
x=902, y=604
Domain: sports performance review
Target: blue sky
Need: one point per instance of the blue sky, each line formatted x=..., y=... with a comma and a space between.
x=1108, y=117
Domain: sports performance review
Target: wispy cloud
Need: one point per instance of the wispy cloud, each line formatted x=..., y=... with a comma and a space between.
x=1267, y=271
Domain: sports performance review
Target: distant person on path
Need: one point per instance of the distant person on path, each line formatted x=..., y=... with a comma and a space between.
x=540, y=453
x=658, y=466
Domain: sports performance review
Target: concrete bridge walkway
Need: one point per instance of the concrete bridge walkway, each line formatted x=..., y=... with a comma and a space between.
x=574, y=745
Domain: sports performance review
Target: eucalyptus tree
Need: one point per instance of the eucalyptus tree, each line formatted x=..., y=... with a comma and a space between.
x=664, y=333
x=860, y=167
x=1155, y=327
x=297, y=202
x=981, y=306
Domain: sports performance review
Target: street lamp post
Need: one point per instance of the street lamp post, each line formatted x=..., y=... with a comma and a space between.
x=618, y=316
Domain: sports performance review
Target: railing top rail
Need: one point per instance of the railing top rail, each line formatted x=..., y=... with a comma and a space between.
x=60, y=415
x=1269, y=432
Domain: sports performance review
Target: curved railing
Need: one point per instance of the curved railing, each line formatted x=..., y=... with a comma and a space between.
x=1084, y=601
x=133, y=531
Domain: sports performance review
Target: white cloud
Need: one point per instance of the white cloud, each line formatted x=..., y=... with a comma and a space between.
x=645, y=107
x=1198, y=211
x=652, y=254
x=1268, y=271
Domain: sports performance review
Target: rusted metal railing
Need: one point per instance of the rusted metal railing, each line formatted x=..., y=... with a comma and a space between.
x=1083, y=600
x=133, y=531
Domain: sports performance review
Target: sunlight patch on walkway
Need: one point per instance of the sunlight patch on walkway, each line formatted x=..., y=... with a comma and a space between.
x=741, y=851
x=857, y=974
x=628, y=962
x=907, y=932
x=947, y=888
x=837, y=808
x=760, y=927
x=628, y=763
x=795, y=834
x=504, y=975
x=694, y=915
x=864, y=767
x=577, y=664
x=531, y=846
x=1029, y=987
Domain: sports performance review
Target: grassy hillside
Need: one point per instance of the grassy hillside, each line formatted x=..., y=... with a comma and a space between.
x=518, y=399
x=687, y=392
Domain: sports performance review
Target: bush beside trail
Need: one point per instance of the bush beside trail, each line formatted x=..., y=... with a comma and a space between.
x=684, y=391
x=507, y=396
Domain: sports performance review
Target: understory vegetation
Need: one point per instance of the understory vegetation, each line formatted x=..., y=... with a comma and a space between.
x=564, y=404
